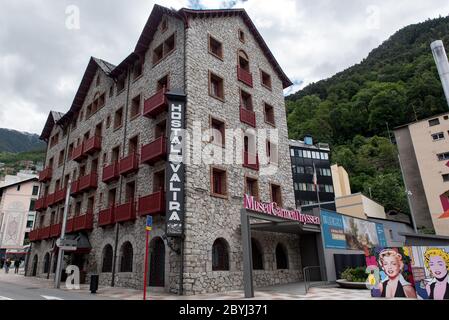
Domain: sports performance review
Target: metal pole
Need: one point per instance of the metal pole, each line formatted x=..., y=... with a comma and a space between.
x=64, y=222
x=247, y=255
x=317, y=186
x=146, y=266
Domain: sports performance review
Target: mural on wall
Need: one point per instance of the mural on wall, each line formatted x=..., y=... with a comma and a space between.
x=345, y=232
x=390, y=272
x=430, y=267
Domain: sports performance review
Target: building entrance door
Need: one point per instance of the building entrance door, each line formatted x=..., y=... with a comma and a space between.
x=157, y=263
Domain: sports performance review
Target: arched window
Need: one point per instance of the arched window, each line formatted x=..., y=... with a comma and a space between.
x=46, y=263
x=35, y=263
x=220, y=255
x=107, y=259
x=281, y=257
x=257, y=255
x=126, y=257
x=243, y=60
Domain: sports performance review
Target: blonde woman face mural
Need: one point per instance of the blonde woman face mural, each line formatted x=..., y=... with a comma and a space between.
x=394, y=285
x=437, y=262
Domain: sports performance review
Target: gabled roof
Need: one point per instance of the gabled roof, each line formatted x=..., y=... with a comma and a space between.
x=81, y=93
x=18, y=182
x=52, y=119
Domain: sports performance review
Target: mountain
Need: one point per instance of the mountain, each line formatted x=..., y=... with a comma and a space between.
x=355, y=110
x=15, y=141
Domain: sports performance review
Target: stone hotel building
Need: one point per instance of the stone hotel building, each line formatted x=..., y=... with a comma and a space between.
x=112, y=145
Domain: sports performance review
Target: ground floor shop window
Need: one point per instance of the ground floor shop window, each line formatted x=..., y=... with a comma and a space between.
x=220, y=255
x=281, y=257
x=126, y=257
x=107, y=259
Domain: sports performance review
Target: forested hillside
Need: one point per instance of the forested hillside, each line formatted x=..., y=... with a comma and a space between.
x=397, y=83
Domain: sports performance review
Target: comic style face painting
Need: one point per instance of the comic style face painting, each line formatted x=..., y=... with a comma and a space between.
x=431, y=272
x=390, y=270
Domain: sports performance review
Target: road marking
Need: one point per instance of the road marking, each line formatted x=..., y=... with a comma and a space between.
x=51, y=298
x=4, y=298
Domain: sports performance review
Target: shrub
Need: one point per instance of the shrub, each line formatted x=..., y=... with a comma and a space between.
x=355, y=274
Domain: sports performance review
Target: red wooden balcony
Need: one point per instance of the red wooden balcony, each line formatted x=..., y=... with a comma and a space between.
x=156, y=104
x=110, y=173
x=244, y=76
x=34, y=235
x=125, y=212
x=152, y=204
x=41, y=204
x=88, y=182
x=69, y=225
x=84, y=222
x=55, y=230
x=44, y=233
x=92, y=145
x=154, y=151
x=248, y=116
x=75, y=187
x=106, y=217
x=50, y=200
x=45, y=175
x=128, y=164
x=77, y=153
x=60, y=195
x=250, y=160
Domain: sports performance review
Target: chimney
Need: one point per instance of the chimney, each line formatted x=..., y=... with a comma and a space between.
x=439, y=54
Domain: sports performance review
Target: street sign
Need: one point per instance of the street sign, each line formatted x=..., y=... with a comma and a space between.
x=66, y=243
x=149, y=225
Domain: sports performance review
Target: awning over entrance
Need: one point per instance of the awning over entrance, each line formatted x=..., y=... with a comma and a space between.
x=286, y=227
x=83, y=245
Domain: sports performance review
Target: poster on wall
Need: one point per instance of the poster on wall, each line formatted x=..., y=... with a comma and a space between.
x=390, y=272
x=345, y=232
x=430, y=267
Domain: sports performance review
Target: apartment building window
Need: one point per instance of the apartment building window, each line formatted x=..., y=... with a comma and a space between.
x=438, y=136
x=111, y=91
x=216, y=87
x=81, y=116
x=443, y=156
x=118, y=118
x=269, y=114
x=276, y=195
x=241, y=35
x=61, y=157
x=115, y=154
x=135, y=107
x=272, y=152
x=252, y=187
x=169, y=45
x=160, y=129
x=101, y=100
x=218, y=182
x=88, y=111
x=111, y=197
x=215, y=47
x=133, y=145
x=217, y=132
x=246, y=100
x=163, y=83
x=78, y=208
x=138, y=67
x=434, y=122
x=158, y=53
x=159, y=181
x=54, y=140
x=121, y=84
x=18, y=187
x=108, y=121
x=35, y=190
x=164, y=25
x=130, y=191
x=50, y=163
x=445, y=177
x=265, y=79
x=243, y=61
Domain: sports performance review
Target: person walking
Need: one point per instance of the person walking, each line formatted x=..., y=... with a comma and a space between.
x=16, y=266
x=2, y=263
x=7, y=265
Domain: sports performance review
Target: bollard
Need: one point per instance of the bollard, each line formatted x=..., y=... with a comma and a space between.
x=94, y=283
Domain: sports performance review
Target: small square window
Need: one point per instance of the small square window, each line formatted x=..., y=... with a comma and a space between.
x=434, y=122
x=158, y=53
x=219, y=182
x=218, y=132
x=215, y=47
x=269, y=114
x=265, y=79
x=241, y=36
x=118, y=118
x=445, y=177
x=251, y=187
x=135, y=107
x=216, y=86
x=276, y=195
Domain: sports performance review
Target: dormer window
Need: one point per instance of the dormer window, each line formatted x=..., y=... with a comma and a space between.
x=241, y=35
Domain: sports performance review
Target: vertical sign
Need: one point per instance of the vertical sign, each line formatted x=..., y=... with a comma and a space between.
x=175, y=179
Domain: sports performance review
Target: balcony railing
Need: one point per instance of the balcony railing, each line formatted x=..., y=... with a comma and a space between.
x=92, y=145
x=41, y=204
x=156, y=104
x=69, y=225
x=250, y=160
x=75, y=187
x=152, y=204
x=77, y=153
x=45, y=175
x=34, y=235
x=110, y=173
x=84, y=222
x=88, y=182
x=125, y=212
x=50, y=200
x=129, y=164
x=44, y=233
x=248, y=116
x=154, y=151
x=60, y=195
x=106, y=217
x=244, y=76
x=55, y=230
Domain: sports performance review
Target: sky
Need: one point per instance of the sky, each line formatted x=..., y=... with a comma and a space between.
x=45, y=45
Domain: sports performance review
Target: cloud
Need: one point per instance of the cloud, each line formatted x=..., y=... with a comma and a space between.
x=42, y=61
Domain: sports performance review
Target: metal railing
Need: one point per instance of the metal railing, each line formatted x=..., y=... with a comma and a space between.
x=306, y=274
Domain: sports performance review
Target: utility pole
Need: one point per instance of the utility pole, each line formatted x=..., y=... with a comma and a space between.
x=64, y=222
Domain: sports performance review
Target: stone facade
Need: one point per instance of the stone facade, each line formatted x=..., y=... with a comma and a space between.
x=207, y=217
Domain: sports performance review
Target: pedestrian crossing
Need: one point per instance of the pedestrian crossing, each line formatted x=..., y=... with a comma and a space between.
x=3, y=298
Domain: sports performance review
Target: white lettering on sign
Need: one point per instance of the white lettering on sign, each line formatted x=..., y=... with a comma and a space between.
x=273, y=209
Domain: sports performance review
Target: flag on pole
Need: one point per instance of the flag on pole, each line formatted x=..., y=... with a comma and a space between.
x=315, y=180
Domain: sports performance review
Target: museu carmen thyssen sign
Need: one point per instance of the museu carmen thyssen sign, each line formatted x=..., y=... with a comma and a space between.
x=273, y=209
